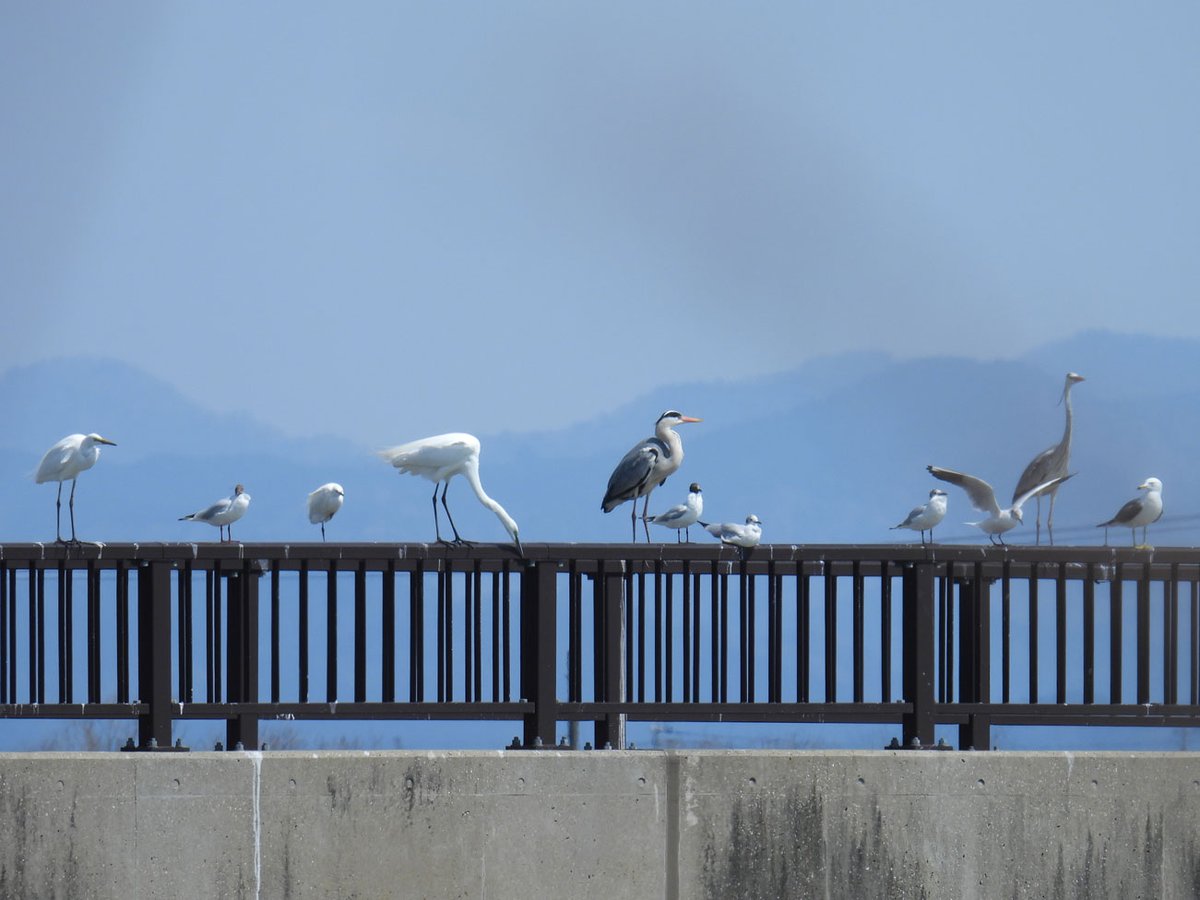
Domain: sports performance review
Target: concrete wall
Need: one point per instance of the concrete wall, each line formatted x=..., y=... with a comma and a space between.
x=639, y=824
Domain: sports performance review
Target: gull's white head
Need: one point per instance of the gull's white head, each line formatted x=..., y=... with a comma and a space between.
x=1150, y=484
x=752, y=520
x=937, y=492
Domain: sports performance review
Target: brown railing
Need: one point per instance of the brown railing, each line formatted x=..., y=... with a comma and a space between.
x=910, y=636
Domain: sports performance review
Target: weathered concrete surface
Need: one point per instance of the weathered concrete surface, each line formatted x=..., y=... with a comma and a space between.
x=636, y=824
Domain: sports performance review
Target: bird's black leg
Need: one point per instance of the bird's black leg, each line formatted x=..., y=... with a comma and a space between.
x=1037, y=524
x=437, y=531
x=322, y=531
x=74, y=540
x=58, y=517
x=645, y=516
x=1050, y=519
x=457, y=539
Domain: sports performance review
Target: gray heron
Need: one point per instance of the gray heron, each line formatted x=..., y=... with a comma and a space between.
x=64, y=461
x=983, y=498
x=1049, y=464
x=683, y=516
x=223, y=513
x=439, y=458
x=745, y=536
x=645, y=467
x=924, y=518
x=1140, y=512
x=324, y=502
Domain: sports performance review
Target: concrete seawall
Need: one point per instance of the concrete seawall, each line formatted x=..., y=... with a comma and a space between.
x=639, y=824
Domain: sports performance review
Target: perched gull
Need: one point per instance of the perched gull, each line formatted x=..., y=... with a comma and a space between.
x=747, y=535
x=64, y=461
x=223, y=513
x=645, y=467
x=983, y=498
x=1138, y=512
x=440, y=458
x=1050, y=463
x=324, y=502
x=923, y=518
x=684, y=515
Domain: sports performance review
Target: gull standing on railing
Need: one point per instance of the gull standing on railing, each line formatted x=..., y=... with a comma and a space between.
x=64, y=461
x=683, y=516
x=924, y=517
x=983, y=498
x=647, y=465
x=223, y=513
x=746, y=536
x=1049, y=464
x=440, y=458
x=323, y=504
x=1139, y=512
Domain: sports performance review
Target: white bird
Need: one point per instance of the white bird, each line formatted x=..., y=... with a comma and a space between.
x=223, y=513
x=983, y=498
x=324, y=502
x=1139, y=512
x=1050, y=463
x=440, y=458
x=647, y=465
x=747, y=535
x=64, y=461
x=924, y=517
x=683, y=516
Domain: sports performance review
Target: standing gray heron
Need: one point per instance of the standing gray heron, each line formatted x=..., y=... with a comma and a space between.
x=683, y=516
x=1140, y=512
x=1051, y=463
x=983, y=498
x=440, y=458
x=63, y=462
x=923, y=518
x=645, y=467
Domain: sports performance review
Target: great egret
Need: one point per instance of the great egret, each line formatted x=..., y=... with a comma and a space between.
x=983, y=498
x=65, y=460
x=645, y=467
x=223, y=513
x=1049, y=464
x=440, y=458
x=925, y=517
x=747, y=535
x=683, y=516
x=324, y=502
x=1139, y=512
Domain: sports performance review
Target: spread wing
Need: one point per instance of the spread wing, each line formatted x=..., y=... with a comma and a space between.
x=982, y=497
x=1037, y=489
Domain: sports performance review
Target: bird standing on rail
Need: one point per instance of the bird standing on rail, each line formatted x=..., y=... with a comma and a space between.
x=440, y=458
x=983, y=498
x=1051, y=463
x=223, y=513
x=1140, y=512
x=647, y=465
x=683, y=516
x=64, y=461
x=323, y=504
x=745, y=536
x=925, y=517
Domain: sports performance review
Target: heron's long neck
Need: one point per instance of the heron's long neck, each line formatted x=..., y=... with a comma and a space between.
x=667, y=435
x=471, y=473
x=1066, y=441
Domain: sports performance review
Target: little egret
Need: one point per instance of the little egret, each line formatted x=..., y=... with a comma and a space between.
x=747, y=535
x=1050, y=463
x=440, y=458
x=983, y=498
x=65, y=460
x=1139, y=512
x=223, y=513
x=683, y=516
x=645, y=467
x=925, y=517
x=324, y=502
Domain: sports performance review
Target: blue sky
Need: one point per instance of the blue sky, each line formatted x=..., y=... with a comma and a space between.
x=383, y=220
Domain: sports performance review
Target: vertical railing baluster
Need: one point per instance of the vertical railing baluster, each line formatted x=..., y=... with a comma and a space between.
x=12, y=634
x=1194, y=644
x=1060, y=636
x=93, y=633
x=181, y=590
x=885, y=632
x=1171, y=636
x=331, y=632
x=387, y=649
x=669, y=642
x=830, y=633
x=697, y=580
x=1033, y=633
x=4, y=651
x=859, y=627
x=302, y=632
x=803, y=634
x=216, y=657
x=275, y=633
x=1143, y=636
x=496, y=646
x=478, y=600
x=687, y=635
x=635, y=687
x=506, y=643
x=748, y=590
x=951, y=644
x=1006, y=632
x=448, y=633
x=574, y=635
x=774, y=634
x=723, y=626
x=919, y=648
x=360, y=632
x=416, y=637
x=468, y=634
x=658, y=625
x=743, y=635
x=539, y=613
x=41, y=636
x=154, y=654
x=65, y=635
x=1116, y=617
x=1089, y=634
x=122, y=633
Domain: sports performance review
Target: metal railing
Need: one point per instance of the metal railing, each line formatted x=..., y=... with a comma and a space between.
x=904, y=635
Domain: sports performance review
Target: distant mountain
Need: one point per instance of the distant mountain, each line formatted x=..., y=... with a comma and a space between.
x=832, y=451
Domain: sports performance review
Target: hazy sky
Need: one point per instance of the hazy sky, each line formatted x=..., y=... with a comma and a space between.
x=382, y=220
